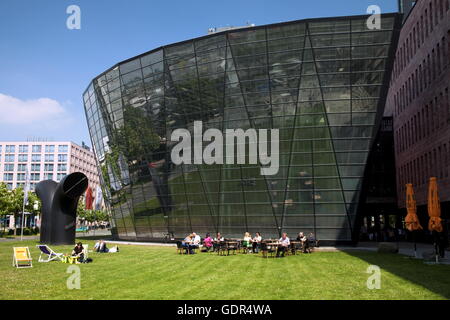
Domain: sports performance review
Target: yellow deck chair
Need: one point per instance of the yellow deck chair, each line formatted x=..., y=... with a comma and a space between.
x=22, y=258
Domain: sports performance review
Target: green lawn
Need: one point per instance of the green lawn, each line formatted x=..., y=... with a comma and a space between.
x=148, y=272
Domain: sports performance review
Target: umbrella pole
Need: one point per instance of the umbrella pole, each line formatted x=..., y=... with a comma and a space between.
x=415, y=243
x=436, y=247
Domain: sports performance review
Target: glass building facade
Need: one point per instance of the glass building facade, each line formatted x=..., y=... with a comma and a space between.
x=321, y=82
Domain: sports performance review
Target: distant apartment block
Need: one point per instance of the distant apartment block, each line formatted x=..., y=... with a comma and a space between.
x=45, y=161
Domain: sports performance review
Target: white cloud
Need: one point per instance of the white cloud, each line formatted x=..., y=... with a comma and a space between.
x=15, y=111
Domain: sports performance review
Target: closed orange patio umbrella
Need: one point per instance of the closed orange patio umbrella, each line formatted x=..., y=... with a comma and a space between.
x=411, y=220
x=434, y=211
x=434, y=207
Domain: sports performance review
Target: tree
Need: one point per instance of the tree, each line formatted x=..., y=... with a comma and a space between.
x=11, y=202
x=3, y=199
x=90, y=215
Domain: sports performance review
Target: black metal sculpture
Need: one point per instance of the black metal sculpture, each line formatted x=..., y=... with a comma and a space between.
x=59, y=207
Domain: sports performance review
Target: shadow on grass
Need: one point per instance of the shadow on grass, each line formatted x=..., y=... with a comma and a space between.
x=435, y=278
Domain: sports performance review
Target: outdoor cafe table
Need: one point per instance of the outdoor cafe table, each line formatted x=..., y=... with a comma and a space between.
x=273, y=244
x=294, y=245
x=277, y=244
x=227, y=242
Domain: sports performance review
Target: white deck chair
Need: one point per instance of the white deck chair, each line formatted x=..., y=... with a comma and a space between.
x=85, y=251
x=49, y=253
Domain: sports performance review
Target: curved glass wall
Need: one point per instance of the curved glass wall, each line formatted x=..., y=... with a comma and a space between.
x=321, y=82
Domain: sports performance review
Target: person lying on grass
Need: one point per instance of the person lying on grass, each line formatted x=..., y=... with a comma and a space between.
x=100, y=246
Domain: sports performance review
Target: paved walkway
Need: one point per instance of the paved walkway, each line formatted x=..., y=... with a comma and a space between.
x=404, y=248
x=93, y=233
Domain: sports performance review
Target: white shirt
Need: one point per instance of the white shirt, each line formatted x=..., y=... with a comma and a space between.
x=285, y=242
x=197, y=239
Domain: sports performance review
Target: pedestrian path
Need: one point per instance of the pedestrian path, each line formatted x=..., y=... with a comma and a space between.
x=92, y=233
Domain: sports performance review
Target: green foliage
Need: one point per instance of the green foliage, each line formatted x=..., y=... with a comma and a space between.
x=11, y=202
x=136, y=138
x=91, y=215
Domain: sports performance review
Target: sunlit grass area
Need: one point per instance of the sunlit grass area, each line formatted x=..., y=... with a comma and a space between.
x=151, y=272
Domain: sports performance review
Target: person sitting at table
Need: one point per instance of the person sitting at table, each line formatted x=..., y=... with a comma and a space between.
x=78, y=252
x=196, y=240
x=186, y=243
x=218, y=237
x=208, y=242
x=284, y=243
x=304, y=241
x=247, y=241
x=312, y=240
x=217, y=241
x=256, y=244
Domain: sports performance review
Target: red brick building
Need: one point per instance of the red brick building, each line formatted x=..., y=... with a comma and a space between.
x=418, y=100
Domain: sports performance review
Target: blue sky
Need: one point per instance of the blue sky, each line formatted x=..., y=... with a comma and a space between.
x=45, y=67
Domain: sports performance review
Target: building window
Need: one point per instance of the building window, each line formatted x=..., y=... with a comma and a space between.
x=48, y=167
x=49, y=158
x=21, y=177
x=23, y=149
x=9, y=158
x=35, y=158
x=63, y=148
x=62, y=157
x=8, y=177
x=48, y=176
x=35, y=176
x=23, y=158
x=21, y=167
x=421, y=29
x=36, y=148
x=50, y=148
x=431, y=17
x=10, y=149
x=35, y=167
x=9, y=167
x=62, y=167
x=60, y=176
